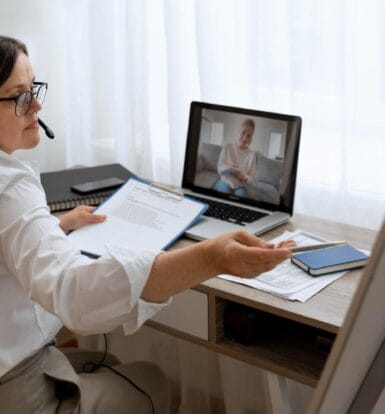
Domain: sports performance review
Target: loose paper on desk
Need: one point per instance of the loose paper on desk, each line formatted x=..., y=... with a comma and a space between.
x=139, y=215
x=287, y=280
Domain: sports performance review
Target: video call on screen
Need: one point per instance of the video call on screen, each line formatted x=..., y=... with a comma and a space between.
x=219, y=129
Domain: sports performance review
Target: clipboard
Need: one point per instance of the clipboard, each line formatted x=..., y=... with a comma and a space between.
x=140, y=215
x=164, y=191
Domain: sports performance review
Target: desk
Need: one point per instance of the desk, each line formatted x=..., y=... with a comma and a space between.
x=294, y=357
x=290, y=357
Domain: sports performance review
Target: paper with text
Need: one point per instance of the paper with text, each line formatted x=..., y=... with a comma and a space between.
x=141, y=216
x=288, y=280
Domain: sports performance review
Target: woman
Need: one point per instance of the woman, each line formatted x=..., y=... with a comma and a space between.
x=236, y=164
x=45, y=282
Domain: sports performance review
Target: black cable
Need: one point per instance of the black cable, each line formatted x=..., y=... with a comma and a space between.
x=132, y=383
x=89, y=367
x=59, y=405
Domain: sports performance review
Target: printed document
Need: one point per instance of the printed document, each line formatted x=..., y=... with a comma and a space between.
x=141, y=215
x=288, y=280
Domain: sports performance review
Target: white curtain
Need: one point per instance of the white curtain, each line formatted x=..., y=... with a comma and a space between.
x=122, y=75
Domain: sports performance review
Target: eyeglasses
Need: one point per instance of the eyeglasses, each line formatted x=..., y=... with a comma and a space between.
x=24, y=101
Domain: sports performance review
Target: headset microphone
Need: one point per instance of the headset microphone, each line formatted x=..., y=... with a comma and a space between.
x=47, y=130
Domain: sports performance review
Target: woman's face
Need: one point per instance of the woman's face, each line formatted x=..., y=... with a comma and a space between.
x=245, y=136
x=18, y=132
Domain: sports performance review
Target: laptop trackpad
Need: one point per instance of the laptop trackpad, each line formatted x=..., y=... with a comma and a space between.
x=207, y=228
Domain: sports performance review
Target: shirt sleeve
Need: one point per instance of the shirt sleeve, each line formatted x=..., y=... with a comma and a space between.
x=88, y=296
x=224, y=161
x=252, y=168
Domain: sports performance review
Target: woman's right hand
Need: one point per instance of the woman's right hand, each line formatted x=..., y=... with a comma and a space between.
x=242, y=254
x=238, y=253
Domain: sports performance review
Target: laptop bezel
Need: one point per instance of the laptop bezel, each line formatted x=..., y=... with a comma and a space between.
x=191, y=153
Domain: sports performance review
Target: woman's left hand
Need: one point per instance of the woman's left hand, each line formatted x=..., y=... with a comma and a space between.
x=79, y=217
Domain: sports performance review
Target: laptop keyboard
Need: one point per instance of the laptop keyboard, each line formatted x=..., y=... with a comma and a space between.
x=229, y=212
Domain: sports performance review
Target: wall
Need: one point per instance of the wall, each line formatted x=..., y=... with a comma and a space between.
x=231, y=126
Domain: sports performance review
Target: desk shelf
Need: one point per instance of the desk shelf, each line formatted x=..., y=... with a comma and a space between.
x=287, y=348
x=302, y=365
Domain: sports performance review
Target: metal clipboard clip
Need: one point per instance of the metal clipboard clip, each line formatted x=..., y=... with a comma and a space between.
x=166, y=192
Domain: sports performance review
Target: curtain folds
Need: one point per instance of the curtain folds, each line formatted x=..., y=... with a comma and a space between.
x=122, y=74
x=121, y=78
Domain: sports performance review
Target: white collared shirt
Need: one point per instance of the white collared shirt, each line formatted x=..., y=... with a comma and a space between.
x=44, y=280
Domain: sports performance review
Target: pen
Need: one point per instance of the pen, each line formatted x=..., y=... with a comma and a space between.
x=316, y=246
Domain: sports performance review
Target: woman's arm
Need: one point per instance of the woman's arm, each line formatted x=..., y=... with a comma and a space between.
x=252, y=168
x=225, y=162
x=92, y=296
x=237, y=253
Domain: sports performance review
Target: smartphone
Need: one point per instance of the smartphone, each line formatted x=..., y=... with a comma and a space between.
x=100, y=185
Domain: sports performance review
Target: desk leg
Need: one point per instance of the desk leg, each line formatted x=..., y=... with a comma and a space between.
x=278, y=394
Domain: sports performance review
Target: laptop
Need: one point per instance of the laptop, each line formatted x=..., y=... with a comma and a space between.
x=243, y=164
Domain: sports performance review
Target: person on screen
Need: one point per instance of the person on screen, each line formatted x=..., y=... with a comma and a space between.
x=237, y=163
x=45, y=281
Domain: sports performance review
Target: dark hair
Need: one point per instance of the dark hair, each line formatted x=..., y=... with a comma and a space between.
x=9, y=51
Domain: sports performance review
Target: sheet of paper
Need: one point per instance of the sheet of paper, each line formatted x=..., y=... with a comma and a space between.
x=287, y=280
x=139, y=215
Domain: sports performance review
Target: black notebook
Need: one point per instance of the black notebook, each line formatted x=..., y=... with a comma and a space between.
x=57, y=185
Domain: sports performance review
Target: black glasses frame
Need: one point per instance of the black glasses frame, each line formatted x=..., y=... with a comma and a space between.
x=24, y=100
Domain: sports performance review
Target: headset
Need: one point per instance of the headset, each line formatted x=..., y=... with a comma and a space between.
x=47, y=130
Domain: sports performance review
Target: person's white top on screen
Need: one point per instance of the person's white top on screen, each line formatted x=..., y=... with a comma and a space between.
x=45, y=281
x=244, y=158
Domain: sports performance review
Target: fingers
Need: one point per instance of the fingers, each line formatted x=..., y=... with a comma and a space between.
x=252, y=256
x=249, y=239
x=89, y=209
x=84, y=210
x=266, y=260
x=85, y=215
x=80, y=216
x=96, y=218
x=266, y=255
x=93, y=218
x=276, y=256
x=286, y=243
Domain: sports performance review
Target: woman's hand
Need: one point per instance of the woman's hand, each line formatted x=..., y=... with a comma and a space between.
x=238, y=253
x=79, y=217
x=240, y=175
x=242, y=254
x=286, y=244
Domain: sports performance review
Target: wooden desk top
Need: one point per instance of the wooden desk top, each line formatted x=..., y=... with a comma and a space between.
x=327, y=309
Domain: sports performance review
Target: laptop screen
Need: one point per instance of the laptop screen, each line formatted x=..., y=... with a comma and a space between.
x=242, y=154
